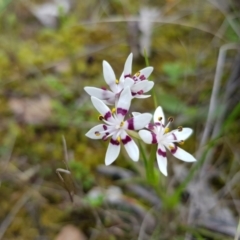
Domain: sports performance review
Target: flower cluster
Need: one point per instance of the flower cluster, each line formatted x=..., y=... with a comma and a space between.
x=117, y=129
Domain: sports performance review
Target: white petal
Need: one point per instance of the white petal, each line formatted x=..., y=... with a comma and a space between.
x=162, y=159
x=110, y=101
x=94, y=133
x=144, y=86
x=180, y=153
x=112, y=151
x=129, y=82
x=143, y=74
x=147, y=136
x=130, y=146
x=99, y=93
x=146, y=71
x=135, y=113
x=141, y=96
x=121, y=80
x=178, y=136
x=159, y=114
x=128, y=66
x=124, y=103
x=102, y=108
x=138, y=122
x=149, y=86
x=109, y=76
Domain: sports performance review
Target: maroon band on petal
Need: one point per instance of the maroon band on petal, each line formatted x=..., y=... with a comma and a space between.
x=107, y=115
x=130, y=124
x=150, y=126
x=142, y=77
x=114, y=142
x=122, y=111
x=161, y=153
x=128, y=75
x=104, y=127
x=174, y=149
x=154, y=138
x=174, y=136
x=126, y=140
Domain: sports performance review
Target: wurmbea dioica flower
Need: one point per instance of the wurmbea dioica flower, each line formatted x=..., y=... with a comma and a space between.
x=138, y=83
x=115, y=127
x=159, y=134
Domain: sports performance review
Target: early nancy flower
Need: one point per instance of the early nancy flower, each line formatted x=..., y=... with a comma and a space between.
x=115, y=127
x=159, y=134
x=138, y=83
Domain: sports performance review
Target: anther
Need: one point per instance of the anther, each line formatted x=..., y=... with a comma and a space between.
x=100, y=117
x=118, y=139
x=97, y=133
x=113, y=110
x=171, y=147
x=180, y=128
x=181, y=142
x=166, y=130
x=117, y=81
x=159, y=119
x=170, y=119
x=121, y=124
x=137, y=74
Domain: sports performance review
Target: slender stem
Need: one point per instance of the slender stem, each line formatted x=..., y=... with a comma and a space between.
x=146, y=58
x=144, y=159
x=152, y=91
x=151, y=168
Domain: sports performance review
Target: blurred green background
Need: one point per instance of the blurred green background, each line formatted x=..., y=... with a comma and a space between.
x=50, y=50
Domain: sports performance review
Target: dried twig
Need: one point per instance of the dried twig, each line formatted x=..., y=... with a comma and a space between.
x=65, y=171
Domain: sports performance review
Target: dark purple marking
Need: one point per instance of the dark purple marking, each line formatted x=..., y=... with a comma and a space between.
x=130, y=124
x=103, y=88
x=134, y=94
x=174, y=136
x=128, y=75
x=104, y=138
x=122, y=111
x=174, y=149
x=140, y=92
x=161, y=153
x=150, y=126
x=107, y=115
x=157, y=124
x=142, y=77
x=104, y=127
x=135, y=78
x=126, y=140
x=154, y=138
x=114, y=142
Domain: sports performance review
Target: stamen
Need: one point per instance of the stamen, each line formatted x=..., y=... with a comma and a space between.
x=121, y=124
x=159, y=119
x=100, y=117
x=170, y=119
x=181, y=142
x=117, y=81
x=113, y=110
x=180, y=128
x=137, y=74
x=97, y=133
x=166, y=130
x=118, y=139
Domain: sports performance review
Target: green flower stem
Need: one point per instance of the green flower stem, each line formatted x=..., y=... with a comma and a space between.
x=152, y=91
x=151, y=169
x=144, y=160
